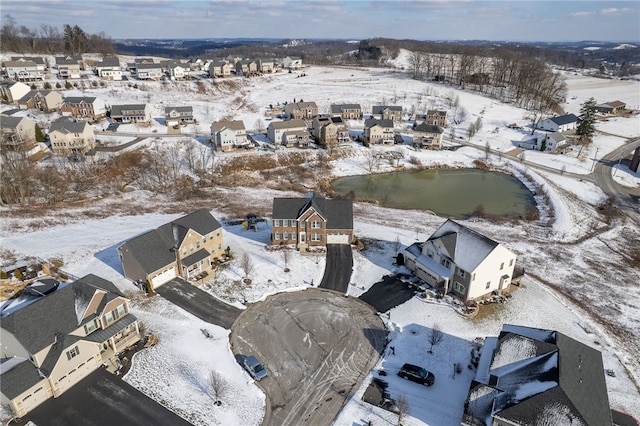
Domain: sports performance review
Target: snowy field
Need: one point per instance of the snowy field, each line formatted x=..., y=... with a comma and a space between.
x=174, y=372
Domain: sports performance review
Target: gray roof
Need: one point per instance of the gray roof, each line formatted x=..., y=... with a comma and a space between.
x=154, y=249
x=289, y=124
x=382, y=123
x=231, y=124
x=428, y=128
x=557, y=136
x=338, y=213
x=379, y=109
x=152, y=66
x=68, y=126
x=19, y=379
x=564, y=119
x=10, y=122
x=117, y=109
x=36, y=325
x=76, y=100
x=109, y=61
x=68, y=60
x=181, y=109
x=196, y=257
x=466, y=247
x=37, y=59
x=337, y=109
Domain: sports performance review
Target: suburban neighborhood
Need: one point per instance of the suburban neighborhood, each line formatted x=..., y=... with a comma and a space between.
x=195, y=236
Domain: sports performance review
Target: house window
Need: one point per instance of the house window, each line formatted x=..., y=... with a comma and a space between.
x=458, y=287
x=461, y=273
x=303, y=225
x=488, y=285
x=90, y=326
x=316, y=224
x=191, y=247
x=184, y=252
x=198, y=244
x=473, y=277
x=502, y=266
x=277, y=222
x=71, y=353
x=285, y=236
x=511, y=262
x=277, y=236
x=316, y=237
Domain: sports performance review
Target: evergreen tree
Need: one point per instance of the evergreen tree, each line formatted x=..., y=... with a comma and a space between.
x=586, y=127
x=39, y=134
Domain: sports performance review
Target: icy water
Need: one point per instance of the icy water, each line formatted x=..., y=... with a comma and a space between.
x=453, y=193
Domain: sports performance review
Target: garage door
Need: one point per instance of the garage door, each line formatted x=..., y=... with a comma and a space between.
x=34, y=399
x=164, y=277
x=77, y=374
x=338, y=239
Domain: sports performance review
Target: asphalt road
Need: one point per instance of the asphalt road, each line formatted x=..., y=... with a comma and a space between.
x=318, y=346
x=388, y=293
x=338, y=268
x=199, y=303
x=102, y=399
x=604, y=179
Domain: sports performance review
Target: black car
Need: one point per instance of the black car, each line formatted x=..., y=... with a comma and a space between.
x=416, y=374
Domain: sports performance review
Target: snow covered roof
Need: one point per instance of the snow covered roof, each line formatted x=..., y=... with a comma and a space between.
x=466, y=247
x=379, y=109
x=542, y=377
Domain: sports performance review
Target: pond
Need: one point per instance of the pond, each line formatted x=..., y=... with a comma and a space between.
x=454, y=193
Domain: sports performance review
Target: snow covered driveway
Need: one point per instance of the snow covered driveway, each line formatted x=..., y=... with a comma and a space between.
x=318, y=346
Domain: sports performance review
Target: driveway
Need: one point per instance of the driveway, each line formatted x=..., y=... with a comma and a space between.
x=388, y=293
x=102, y=399
x=199, y=302
x=338, y=269
x=318, y=346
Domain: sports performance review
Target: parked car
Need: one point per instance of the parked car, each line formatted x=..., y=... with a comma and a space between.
x=416, y=374
x=254, y=368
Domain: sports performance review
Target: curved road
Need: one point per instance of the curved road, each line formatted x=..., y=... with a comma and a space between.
x=318, y=347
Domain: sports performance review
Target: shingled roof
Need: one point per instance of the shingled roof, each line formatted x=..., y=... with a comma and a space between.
x=337, y=213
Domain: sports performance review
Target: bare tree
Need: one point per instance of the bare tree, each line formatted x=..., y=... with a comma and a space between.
x=487, y=151
x=396, y=245
x=259, y=125
x=402, y=403
x=435, y=336
x=372, y=161
x=246, y=265
x=217, y=386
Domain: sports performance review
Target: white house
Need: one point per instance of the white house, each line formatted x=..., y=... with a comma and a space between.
x=292, y=63
x=109, y=68
x=462, y=261
x=229, y=135
x=13, y=90
x=277, y=129
x=561, y=123
x=548, y=142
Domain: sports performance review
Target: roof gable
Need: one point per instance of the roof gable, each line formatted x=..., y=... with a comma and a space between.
x=466, y=247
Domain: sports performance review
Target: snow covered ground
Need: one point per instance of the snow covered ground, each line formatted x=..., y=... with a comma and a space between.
x=174, y=372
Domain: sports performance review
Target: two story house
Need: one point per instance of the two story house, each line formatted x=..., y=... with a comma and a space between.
x=229, y=135
x=44, y=100
x=330, y=131
x=219, y=69
x=148, y=71
x=347, y=111
x=186, y=247
x=89, y=107
x=17, y=133
x=266, y=66
x=41, y=65
x=175, y=116
x=459, y=260
x=387, y=112
x=434, y=117
x=131, y=113
x=51, y=344
x=561, y=123
x=294, y=129
x=69, y=66
x=12, y=91
x=109, y=68
x=301, y=110
x=22, y=70
x=292, y=63
x=378, y=131
x=246, y=67
x=531, y=376
x=312, y=221
x=71, y=137
x=427, y=136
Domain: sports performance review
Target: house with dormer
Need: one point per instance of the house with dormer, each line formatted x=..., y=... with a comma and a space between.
x=83, y=107
x=229, y=135
x=301, y=110
x=187, y=247
x=69, y=66
x=347, y=111
x=458, y=260
x=311, y=221
x=387, y=112
x=529, y=376
x=330, y=131
x=109, y=68
x=55, y=341
x=427, y=136
x=378, y=132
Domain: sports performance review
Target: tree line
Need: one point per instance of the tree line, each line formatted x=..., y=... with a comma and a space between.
x=52, y=40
